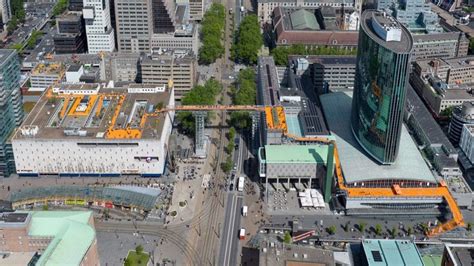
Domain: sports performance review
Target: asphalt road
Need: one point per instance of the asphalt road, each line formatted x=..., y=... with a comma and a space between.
x=230, y=235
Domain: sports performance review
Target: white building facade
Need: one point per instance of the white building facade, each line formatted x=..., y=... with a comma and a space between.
x=99, y=31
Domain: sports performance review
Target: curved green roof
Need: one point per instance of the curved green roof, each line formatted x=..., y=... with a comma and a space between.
x=71, y=232
x=302, y=19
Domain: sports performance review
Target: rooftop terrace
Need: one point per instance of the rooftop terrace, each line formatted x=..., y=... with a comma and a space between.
x=93, y=111
x=49, y=69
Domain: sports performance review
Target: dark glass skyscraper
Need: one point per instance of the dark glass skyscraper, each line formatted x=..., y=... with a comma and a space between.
x=11, y=109
x=380, y=84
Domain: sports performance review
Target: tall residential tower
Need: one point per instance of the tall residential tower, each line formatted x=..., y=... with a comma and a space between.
x=379, y=90
x=11, y=109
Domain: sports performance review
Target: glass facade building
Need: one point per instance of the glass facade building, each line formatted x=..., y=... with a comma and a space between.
x=11, y=108
x=380, y=85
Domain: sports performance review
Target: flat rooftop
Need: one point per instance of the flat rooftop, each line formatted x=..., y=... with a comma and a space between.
x=48, y=69
x=268, y=84
x=309, y=121
x=391, y=252
x=427, y=123
x=13, y=217
x=327, y=59
x=69, y=16
x=403, y=46
x=357, y=165
x=305, y=256
x=93, y=111
x=17, y=258
x=296, y=154
x=462, y=254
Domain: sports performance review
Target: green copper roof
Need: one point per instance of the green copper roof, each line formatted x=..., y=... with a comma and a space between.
x=432, y=260
x=391, y=252
x=303, y=19
x=296, y=153
x=71, y=232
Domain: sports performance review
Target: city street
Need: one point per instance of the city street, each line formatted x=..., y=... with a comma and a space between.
x=230, y=238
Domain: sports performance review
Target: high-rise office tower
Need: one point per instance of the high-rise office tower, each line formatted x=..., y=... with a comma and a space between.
x=134, y=25
x=380, y=84
x=99, y=31
x=163, y=16
x=11, y=109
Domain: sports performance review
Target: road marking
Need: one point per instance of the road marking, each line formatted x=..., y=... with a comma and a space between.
x=233, y=205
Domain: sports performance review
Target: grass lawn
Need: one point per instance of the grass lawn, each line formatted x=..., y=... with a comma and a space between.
x=138, y=260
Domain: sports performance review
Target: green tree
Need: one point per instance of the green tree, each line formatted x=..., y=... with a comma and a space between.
x=378, y=229
x=331, y=229
x=199, y=95
x=447, y=112
x=248, y=40
x=393, y=232
x=232, y=133
x=346, y=227
x=12, y=24
x=244, y=94
x=424, y=227
x=139, y=249
x=362, y=226
x=33, y=40
x=17, y=9
x=17, y=46
x=60, y=7
x=212, y=29
x=230, y=147
x=227, y=165
x=287, y=238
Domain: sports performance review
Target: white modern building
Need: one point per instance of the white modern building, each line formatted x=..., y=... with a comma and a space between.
x=99, y=31
x=45, y=75
x=93, y=130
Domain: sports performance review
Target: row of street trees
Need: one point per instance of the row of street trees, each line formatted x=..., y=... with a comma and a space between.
x=244, y=94
x=248, y=41
x=212, y=29
x=18, y=15
x=199, y=95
